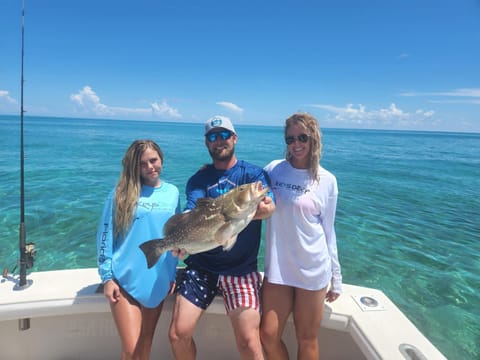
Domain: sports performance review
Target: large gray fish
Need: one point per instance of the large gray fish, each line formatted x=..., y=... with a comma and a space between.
x=213, y=222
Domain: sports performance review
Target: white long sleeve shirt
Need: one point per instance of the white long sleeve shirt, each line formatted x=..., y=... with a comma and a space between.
x=301, y=244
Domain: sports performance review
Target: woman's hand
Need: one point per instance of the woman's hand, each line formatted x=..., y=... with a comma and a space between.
x=172, y=288
x=111, y=290
x=331, y=296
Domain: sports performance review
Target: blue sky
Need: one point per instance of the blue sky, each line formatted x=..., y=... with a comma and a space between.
x=381, y=64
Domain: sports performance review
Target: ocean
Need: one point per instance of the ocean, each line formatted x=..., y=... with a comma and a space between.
x=407, y=219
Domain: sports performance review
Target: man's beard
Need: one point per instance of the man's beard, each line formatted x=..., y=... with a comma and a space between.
x=224, y=155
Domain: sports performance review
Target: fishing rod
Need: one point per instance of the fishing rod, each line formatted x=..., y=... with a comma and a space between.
x=27, y=251
x=23, y=245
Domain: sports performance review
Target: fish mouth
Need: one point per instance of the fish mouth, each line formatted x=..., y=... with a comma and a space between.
x=259, y=187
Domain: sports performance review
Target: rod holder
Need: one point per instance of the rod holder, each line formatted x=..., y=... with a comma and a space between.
x=23, y=324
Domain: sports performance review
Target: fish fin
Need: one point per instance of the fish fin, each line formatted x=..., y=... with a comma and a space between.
x=204, y=202
x=205, y=209
x=176, y=221
x=230, y=242
x=226, y=232
x=150, y=249
x=208, y=204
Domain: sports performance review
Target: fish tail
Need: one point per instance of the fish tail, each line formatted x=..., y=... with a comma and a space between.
x=151, y=250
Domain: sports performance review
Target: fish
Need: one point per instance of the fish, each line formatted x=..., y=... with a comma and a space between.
x=211, y=223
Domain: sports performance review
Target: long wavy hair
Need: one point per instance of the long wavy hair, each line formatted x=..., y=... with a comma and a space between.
x=310, y=125
x=130, y=183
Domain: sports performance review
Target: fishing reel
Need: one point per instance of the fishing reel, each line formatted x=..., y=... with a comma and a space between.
x=30, y=253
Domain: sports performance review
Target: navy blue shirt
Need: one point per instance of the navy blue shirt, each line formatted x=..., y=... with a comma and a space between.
x=210, y=182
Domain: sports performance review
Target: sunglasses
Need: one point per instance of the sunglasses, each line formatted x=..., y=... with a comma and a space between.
x=225, y=135
x=303, y=138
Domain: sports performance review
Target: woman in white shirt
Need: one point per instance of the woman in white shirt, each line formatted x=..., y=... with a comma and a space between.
x=301, y=259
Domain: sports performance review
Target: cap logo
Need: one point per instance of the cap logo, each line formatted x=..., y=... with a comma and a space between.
x=216, y=122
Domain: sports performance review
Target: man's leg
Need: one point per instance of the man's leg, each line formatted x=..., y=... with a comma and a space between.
x=246, y=326
x=184, y=320
x=195, y=291
x=242, y=301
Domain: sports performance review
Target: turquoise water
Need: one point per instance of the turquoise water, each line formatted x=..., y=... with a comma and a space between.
x=407, y=221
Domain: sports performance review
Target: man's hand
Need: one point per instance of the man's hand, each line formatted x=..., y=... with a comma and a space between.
x=180, y=253
x=265, y=208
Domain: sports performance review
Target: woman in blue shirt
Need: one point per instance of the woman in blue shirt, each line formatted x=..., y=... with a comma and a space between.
x=135, y=211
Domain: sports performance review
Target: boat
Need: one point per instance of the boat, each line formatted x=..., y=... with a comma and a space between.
x=63, y=314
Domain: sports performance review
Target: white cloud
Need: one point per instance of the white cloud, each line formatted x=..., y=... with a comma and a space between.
x=230, y=106
x=7, y=103
x=469, y=95
x=165, y=111
x=88, y=102
x=360, y=116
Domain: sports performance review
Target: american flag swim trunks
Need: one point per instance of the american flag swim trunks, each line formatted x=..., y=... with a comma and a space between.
x=241, y=291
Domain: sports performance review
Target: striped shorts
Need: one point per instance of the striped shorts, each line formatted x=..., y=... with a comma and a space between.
x=241, y=291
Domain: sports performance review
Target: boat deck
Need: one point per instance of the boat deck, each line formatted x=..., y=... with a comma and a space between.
x=70, y=319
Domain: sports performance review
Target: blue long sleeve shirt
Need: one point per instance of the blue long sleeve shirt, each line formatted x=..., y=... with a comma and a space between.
x=210, y=182
x=122, y=260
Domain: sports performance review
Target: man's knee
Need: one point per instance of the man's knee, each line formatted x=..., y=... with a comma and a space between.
x=250, y=347
x=177, y=333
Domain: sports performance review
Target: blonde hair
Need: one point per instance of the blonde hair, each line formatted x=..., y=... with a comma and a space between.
x=312, y=129
x=130, y=183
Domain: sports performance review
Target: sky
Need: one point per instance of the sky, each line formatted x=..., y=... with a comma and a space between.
x=369, y=64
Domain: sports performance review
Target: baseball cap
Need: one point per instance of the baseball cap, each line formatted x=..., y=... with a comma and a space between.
x=220, y=122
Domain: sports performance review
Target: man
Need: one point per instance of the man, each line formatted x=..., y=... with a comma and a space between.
x=233, y=272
